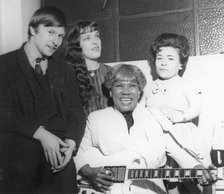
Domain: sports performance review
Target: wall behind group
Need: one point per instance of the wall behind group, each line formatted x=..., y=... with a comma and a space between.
x=129, y=26
x=14, y=19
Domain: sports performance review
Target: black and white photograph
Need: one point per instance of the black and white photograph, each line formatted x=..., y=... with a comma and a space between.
x=111, y=97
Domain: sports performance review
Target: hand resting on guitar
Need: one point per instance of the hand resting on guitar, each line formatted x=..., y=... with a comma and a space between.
x=100, y=178
x=208, y=177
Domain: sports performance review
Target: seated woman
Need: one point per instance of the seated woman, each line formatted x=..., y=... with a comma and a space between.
x=125, y=134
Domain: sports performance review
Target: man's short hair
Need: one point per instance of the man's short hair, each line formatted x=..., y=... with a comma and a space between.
x=48, y=16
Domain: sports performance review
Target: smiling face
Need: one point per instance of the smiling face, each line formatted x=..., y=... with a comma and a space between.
x=91, y=45
x=167, y=63
x=46, y=39
x=125, y=94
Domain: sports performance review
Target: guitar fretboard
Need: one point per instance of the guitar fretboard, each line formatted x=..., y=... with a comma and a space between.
x=119, y=173
x=164, y=173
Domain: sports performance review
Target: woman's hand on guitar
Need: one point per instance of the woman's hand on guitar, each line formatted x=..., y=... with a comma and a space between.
x=100, y=178
x=208, y=177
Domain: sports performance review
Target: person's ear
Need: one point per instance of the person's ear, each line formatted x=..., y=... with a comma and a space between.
x=32, y=31
x=181, y=67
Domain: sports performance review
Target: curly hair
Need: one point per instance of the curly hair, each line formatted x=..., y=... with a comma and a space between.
x=125, y=72
x=172, y=40
x=72, y=52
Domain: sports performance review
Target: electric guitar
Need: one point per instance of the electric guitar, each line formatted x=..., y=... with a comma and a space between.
x=123, y=175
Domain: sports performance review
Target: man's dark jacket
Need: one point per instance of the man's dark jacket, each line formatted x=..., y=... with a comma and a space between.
x=18, y=98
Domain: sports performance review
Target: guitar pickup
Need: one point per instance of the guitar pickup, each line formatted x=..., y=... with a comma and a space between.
x=117, y=172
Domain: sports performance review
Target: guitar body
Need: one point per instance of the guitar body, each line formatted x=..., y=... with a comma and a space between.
x=117, y=188
x=128, y=187
x=218, y=188
x=87, y=191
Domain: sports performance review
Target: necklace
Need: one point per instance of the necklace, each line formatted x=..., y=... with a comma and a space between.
x=92, y=73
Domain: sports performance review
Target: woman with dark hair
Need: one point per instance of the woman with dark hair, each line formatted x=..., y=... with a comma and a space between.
x=175, y=41
x=82, y=48
x=177, y=99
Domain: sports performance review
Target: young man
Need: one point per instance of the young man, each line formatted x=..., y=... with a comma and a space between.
x=41, y=117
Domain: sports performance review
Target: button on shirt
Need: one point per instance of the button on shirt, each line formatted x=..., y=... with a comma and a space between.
x=32, y=56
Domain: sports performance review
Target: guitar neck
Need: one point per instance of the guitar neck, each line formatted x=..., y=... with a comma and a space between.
x=163, y=173
x=120, y=173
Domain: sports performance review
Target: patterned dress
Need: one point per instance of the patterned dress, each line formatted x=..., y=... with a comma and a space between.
x=98, y=99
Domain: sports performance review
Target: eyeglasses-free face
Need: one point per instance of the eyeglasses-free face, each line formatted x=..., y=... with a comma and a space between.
x=125, y=94
x=167, y=62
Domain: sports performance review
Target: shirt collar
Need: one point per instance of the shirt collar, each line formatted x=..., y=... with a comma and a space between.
x=32, y=55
